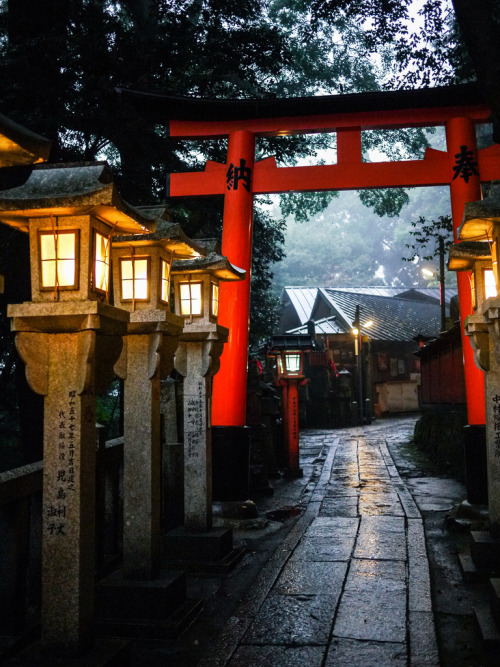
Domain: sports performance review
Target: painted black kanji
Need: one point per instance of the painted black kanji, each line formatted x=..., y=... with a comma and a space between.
x=465, y=165
x=236, y=174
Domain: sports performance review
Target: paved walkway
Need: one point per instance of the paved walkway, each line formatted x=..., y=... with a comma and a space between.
x=350, y=584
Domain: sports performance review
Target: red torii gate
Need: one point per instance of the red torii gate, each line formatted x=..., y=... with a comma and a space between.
x=462, y=167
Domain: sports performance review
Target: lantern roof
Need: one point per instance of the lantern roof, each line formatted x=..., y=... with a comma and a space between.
x=170, y=235
x=72, y=189
x=20, y=146
x=300, y=342
x=218, y=265
x=479, y=217
x=463, y=255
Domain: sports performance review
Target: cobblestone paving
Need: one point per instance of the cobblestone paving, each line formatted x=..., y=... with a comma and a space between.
x=351, y=584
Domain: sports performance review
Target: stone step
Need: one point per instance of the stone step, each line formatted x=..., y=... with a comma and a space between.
x=485, y=551
x=489, y=631
x=157, y=599
x=206, y=567
x=470, y=572
x=169, y=628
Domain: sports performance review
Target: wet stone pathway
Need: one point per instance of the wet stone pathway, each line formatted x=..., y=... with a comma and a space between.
x=350, y=584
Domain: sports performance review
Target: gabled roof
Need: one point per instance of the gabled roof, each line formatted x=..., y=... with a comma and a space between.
x=327, y=325
x=394, y=318
x=302, y=299
x=413, y=293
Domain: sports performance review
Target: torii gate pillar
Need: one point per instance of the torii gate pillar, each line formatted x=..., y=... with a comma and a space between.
x=230, y=383
x=460, y=136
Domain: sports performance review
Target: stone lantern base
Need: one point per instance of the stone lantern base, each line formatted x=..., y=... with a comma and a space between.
x=156, y=609
x=202, y=552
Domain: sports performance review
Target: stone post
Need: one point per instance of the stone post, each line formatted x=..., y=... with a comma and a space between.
x=197, y=361
x=147, y=355
x=484, y=334
x=62, y=367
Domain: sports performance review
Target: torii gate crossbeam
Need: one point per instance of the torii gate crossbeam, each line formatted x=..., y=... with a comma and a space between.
x=462, y=167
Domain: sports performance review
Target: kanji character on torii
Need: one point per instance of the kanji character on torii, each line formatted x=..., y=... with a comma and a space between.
x=462, y=167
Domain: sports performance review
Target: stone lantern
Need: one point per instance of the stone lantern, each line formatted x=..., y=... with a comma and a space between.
x=475, y=257
x=142, y=285
x=69, y=337
x=289, y=351
x=196, y=294
x=482, y=222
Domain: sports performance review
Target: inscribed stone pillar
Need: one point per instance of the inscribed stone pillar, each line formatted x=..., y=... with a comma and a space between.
x=491, y=359
x=141, y=461
x=62, y=367
x=147, y=356
x=197, y=361
x=484, y=335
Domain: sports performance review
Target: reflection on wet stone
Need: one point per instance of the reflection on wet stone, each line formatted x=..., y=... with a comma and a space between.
x=302, y=576
x=382, y=538
x=357, y=583
x=293, y=620
x=278, y=656
x=365, y=654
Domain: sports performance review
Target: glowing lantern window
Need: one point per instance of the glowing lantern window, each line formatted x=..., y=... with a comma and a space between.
x=134, y=275
x=490, y=288
x=473, y=294
x=101, y=262
x=191, y=299
x=58, y=258
x=292, y=362
x=494, y=260
x=165, y=281
x=215, y=300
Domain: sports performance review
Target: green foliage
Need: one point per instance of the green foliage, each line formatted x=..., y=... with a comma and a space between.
x=385, y=202
x=428, y=237
x=419, y=51
x=108, y=410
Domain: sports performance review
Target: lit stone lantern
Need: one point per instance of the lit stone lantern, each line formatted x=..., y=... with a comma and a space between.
x=289, y=350
x=20, y=146
x=475, y=257
x=71, y=213
x=196, y=294
x=142, y=285
x=482, y=223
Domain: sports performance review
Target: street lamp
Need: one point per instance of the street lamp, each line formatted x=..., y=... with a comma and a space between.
x=357, y=328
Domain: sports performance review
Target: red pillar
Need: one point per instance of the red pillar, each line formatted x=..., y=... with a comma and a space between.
x=230, y=383
x=284, y=410
x=293, y=425
x=460, y=133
